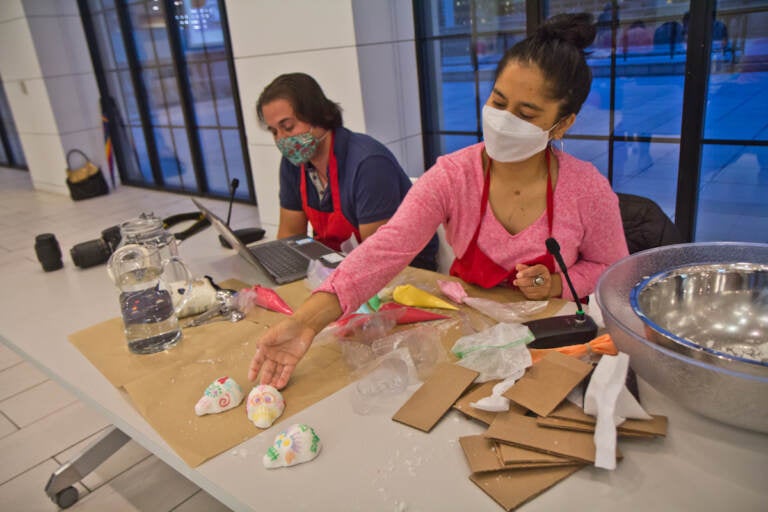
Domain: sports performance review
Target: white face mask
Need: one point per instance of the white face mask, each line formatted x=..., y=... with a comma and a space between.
x=509, y=138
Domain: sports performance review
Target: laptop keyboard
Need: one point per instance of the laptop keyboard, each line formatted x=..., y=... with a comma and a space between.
x=280, y=259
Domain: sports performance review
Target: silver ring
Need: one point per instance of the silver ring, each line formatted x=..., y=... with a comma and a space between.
x=538, y=280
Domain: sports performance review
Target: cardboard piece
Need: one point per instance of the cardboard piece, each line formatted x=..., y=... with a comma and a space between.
x=523, y=431
x=570, y=412
x=550, y=422
x=476, y=393
x=521, y=457
x=548, y=382
x=433, y=399
x=481, y=454
x=512, y=488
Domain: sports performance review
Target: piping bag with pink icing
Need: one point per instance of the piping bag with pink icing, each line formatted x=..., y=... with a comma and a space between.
x=264, y=297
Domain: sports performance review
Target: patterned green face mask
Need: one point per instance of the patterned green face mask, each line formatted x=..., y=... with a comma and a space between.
x=298, y=149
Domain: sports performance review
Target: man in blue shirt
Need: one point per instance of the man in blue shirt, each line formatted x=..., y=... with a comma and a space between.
x=343, y=183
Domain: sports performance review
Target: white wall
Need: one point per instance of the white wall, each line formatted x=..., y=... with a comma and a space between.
x=47, y=73
x=362, y=53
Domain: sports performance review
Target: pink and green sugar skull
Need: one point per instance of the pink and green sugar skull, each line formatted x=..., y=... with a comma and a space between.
x=265, y=404
x=222, y=394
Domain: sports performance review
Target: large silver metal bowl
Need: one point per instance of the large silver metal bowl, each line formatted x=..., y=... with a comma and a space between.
x=672, y=355
x=714, y=312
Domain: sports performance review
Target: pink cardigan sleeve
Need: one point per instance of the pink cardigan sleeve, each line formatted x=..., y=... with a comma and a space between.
x=383, y=255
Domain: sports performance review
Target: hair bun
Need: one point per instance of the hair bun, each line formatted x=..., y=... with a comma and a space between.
x=576, y=29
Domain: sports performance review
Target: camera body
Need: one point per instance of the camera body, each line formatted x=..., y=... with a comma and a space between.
x=95, y=252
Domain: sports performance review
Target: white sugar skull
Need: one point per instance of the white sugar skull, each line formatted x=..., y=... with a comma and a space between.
x=223, y=394
x=265, y=404
x=298, y=443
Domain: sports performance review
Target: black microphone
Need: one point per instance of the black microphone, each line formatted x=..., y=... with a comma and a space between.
x=245, y=235
x=234, y=185
x=554, y=249
x=559, y=331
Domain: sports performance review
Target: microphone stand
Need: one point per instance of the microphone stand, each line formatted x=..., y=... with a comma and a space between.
x=245, y=235
x=559, y=331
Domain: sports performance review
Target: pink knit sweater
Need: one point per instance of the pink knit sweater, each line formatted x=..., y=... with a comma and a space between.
x=587, y=224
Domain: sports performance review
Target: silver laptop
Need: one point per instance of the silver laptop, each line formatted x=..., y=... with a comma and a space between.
x=285, y=260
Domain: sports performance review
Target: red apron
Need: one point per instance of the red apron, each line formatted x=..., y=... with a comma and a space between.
x=477, y=268
x=330, y=228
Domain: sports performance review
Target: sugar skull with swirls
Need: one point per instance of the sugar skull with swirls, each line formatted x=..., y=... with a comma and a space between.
x=221, y=395
x=265, y=404
x=298, y=443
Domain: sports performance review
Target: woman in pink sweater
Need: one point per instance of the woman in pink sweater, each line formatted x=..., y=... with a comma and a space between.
x=499, y=201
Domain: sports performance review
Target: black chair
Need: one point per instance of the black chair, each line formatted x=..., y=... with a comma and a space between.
x=645, y=224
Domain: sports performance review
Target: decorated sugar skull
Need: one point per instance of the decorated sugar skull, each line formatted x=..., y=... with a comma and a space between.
x=223, y=394
x=298, y=443
x=265, y=404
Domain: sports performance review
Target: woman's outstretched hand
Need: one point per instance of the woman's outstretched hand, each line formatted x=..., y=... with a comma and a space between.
x=280, y=349
x=284, y=344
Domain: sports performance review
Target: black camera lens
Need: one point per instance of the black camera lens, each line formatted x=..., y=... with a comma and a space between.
x=90, y=253
x=48, y=252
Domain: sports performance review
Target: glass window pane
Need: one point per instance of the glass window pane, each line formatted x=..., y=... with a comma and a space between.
x=737, y=105
x=457, y=102
x=156, y=96
x=213, y=157
x=444, y=18
x=732, y=194
x=185, y=179
x=233, y=153
x=648, y=170
x=113, y=34
x=200, y=27
x=140, y=148
x=202, y=95
x=131, y=109
x=141, y=22
x=225, y=103
x=595, y=151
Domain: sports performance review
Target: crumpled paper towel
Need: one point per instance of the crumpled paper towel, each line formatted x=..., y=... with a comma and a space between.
x=608, y=398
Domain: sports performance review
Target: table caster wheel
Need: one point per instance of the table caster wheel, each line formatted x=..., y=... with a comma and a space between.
x=67, y=497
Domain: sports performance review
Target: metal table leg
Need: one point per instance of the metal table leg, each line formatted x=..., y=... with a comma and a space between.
x=60, y=487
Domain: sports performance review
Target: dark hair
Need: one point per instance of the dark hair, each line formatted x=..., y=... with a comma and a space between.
x=305, y=96
x=557, y=48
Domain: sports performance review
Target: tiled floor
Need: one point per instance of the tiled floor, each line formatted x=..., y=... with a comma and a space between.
x=41, y=424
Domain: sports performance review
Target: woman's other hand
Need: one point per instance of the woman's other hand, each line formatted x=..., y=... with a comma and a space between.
x=536, y=282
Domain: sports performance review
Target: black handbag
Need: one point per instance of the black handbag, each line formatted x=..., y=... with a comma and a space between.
x=85, y=181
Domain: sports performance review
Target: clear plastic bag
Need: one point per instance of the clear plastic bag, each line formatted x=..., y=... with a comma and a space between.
x=317, y=273
x=506, y=312
x=380, y=382
x=496, y=353
x=423, y=345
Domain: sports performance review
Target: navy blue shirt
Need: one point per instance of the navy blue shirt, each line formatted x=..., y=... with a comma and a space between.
x=371, y=182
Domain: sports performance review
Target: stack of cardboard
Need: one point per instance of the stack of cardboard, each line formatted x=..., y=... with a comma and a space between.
x=540, y=441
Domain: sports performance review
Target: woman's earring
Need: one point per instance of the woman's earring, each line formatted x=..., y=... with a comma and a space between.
x=562, y=145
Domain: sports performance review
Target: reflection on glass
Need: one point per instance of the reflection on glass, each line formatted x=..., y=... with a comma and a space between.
x=732, y=194
x=648, y=170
